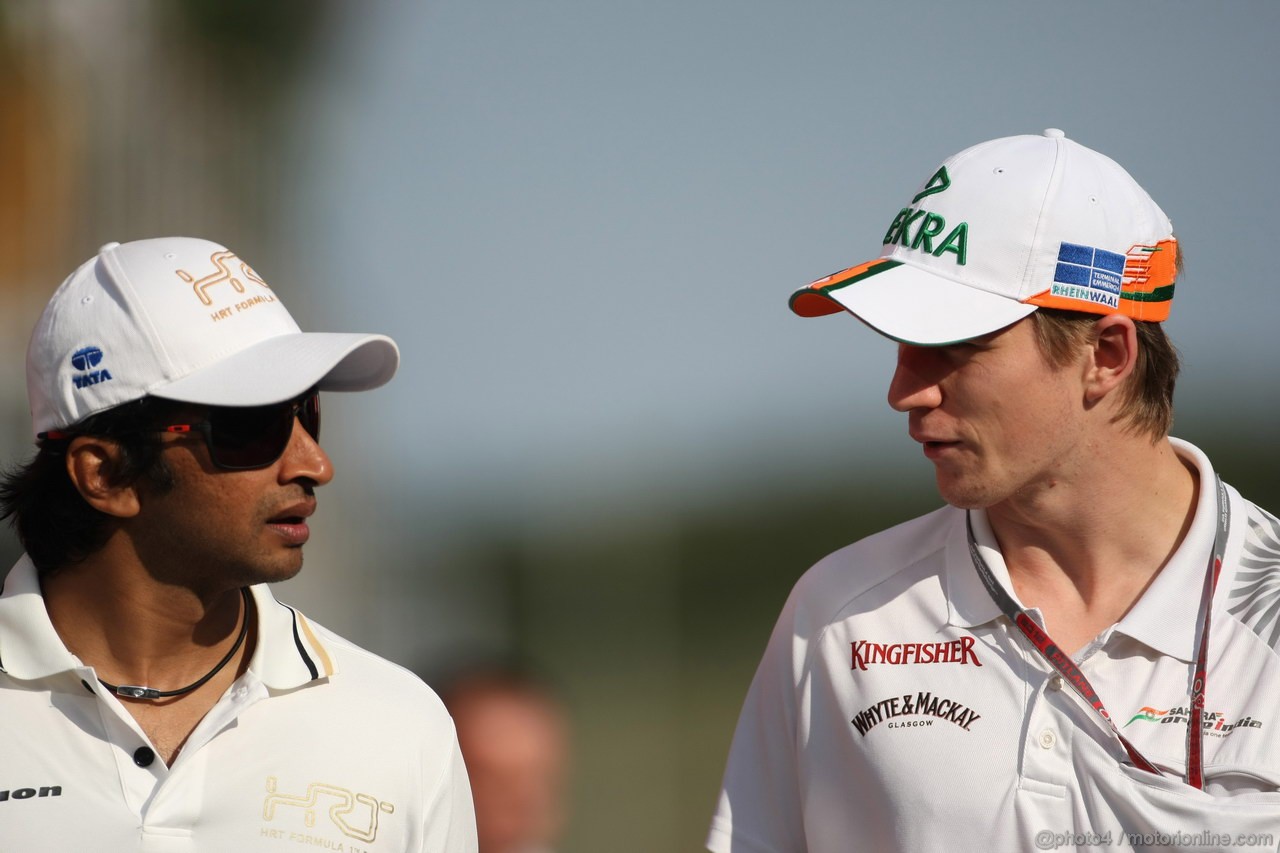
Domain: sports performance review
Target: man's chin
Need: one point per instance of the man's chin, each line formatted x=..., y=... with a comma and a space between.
x=963, y=495
x=283, y=569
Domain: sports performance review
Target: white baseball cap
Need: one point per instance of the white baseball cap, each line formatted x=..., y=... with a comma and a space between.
x=1001, y=229
x=187, y=320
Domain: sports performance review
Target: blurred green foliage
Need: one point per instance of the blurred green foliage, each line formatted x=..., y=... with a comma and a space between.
x=261, y=48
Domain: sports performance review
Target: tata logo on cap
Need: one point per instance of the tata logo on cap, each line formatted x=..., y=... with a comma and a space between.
x=85, y=360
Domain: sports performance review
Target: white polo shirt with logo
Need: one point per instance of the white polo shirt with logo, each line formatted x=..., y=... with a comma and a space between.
x=320, y=745
x=897, y=708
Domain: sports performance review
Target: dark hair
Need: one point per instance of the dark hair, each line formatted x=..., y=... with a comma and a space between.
x=56, y=526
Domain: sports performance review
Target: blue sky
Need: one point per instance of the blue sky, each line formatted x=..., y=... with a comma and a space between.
x=581, y=221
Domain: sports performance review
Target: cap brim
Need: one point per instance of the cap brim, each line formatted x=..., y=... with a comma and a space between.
x=908, y=304
x=285, y=366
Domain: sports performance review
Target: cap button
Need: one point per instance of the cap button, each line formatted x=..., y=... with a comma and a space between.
x=107, y=247
x=1054, y=133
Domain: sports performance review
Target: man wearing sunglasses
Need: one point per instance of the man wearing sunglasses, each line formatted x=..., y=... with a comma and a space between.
x=155, y=695
x=1081, y=650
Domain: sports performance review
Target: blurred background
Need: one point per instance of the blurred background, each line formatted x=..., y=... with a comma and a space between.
x=611, y=449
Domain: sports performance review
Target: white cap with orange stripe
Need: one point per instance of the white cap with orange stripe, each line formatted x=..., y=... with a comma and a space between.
x=1001, y=229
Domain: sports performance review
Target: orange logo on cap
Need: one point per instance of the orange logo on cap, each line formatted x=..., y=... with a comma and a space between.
x=1149, y=267
x=223, y=273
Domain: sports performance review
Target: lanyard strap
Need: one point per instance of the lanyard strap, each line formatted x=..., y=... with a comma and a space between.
x=1065, y=666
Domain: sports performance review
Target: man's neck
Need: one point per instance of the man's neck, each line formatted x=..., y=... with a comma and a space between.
x=1083, y=551
x=134, y=629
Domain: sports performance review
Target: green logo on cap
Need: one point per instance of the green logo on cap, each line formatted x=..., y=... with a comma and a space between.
x=930, y=225
x=918, y=229
x=939, y=182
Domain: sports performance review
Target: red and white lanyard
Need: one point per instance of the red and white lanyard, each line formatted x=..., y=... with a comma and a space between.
x=1063, y=663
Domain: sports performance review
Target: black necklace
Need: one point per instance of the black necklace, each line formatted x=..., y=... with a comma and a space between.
x=132, y=691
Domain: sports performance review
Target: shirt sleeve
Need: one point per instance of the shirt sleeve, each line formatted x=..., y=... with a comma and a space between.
x=759, y=809
x=450, y=816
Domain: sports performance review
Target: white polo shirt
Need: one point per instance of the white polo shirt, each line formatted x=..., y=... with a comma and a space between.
x=320, y=745
x=897, y=708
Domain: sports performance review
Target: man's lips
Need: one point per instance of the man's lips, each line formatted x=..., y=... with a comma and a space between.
x=934, y=445
x=937, y=449
x=291, y=522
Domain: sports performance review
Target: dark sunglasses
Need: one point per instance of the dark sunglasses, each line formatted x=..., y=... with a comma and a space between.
x=244, y=437
x=240, y=438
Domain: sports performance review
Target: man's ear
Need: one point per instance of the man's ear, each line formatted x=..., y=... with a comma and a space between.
x=1113, y=358
x=93, y=464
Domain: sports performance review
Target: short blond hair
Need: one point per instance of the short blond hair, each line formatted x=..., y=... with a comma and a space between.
x=1147, y=395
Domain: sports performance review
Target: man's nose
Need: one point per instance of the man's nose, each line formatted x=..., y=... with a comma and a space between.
x=915, y=380
x=305, y=459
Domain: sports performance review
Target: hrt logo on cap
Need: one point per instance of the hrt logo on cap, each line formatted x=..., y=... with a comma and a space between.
x=222, y=274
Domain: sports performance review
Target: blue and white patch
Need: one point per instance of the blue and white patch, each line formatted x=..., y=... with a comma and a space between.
x=85, y=360
x=1088, y=274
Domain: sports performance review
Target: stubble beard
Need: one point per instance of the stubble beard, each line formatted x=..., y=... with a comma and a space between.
x=203, y=559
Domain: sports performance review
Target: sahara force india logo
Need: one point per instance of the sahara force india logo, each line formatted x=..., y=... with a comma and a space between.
x=1214, y=723
x=922, y=704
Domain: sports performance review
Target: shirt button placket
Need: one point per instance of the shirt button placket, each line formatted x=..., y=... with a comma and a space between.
x=1046, y=756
